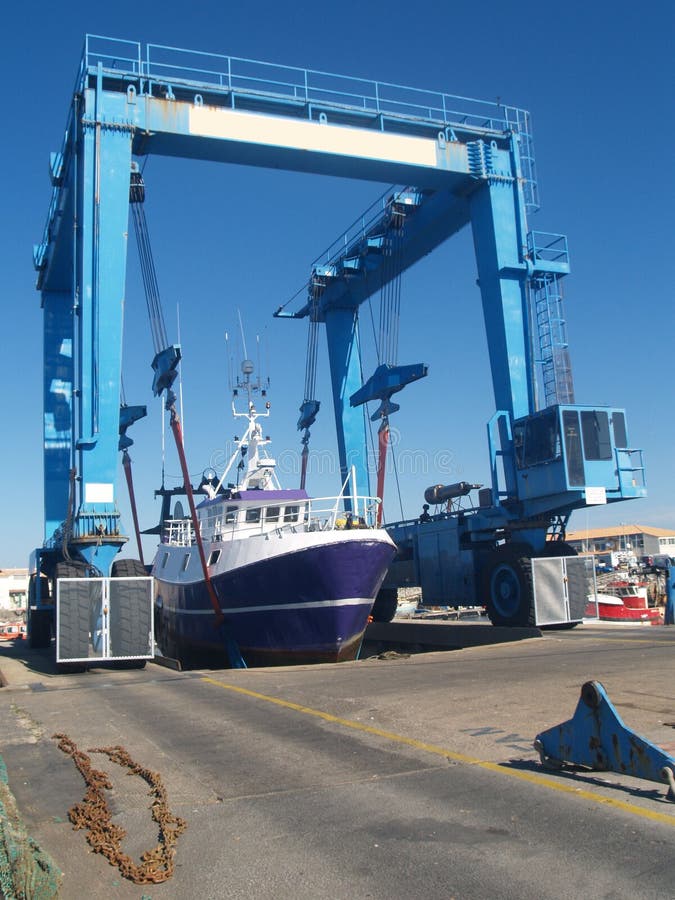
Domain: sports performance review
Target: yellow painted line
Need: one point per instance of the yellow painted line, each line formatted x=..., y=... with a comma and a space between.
x=530, y=777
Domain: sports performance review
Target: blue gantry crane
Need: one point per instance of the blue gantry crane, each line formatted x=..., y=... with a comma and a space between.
x=470, y=162
x=548, y=456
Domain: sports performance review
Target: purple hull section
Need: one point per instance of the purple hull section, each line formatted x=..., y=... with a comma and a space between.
x=308, y=606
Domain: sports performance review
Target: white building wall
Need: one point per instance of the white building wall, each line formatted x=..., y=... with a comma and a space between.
x=13, y=589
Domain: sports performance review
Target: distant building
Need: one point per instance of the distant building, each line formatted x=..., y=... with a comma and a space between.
x=633, y=540
x=13, y=591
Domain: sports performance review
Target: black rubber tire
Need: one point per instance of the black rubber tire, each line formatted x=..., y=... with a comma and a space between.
x=128, y=568
x=71, y=668
x=557, y=548
x=39, y=620
x=384, y=607
x=130, y=615
x=509, y=597
x=39, y=628
x=74, y=613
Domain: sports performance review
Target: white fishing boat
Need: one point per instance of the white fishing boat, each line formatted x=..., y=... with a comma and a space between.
x=281, y=577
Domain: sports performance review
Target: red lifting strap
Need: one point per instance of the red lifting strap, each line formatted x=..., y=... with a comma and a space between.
x=383, y=443
x=178, y=435
x=126, y=462
x=303, y=472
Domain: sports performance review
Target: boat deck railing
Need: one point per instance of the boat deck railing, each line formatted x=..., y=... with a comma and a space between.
x=317, y=514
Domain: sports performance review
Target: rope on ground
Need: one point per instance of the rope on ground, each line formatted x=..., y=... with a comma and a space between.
x=25, y=870
x=157, y=865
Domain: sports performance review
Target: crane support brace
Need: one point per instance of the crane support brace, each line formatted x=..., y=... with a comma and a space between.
x=596, y=737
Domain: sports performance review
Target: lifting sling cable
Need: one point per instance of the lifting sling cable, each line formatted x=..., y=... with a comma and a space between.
x=160, y=341
x=387, y=346
x=147, y=263
x=157, y=326
x=309, y=407
x=178, y=437
x=126, y=463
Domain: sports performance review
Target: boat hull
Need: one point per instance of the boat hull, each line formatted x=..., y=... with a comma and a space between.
x=305, y=605
x=622, y=609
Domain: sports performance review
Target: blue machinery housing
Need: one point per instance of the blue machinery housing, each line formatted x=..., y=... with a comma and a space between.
x=462, y=161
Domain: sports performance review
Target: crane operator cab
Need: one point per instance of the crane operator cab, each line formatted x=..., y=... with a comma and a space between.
x=508, y=551
x=579, y=455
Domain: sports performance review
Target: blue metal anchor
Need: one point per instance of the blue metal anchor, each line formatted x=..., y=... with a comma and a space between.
x=597, y=738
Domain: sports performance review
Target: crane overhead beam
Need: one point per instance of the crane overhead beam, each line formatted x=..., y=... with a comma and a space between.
x=216, y=107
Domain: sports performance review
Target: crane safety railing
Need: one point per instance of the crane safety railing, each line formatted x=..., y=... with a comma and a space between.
x=631, y=469
x=350, y=241
x=548, y=247
x=165, y=66
x=391, y=105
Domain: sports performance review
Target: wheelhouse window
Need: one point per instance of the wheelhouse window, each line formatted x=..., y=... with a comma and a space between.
x=272, y=513
x=291, y=514
x=186, y=561
x=231, y=515
x=253, y=514
x=595, y=431
x=537, y=439
x=214, y=556
x=165, y=560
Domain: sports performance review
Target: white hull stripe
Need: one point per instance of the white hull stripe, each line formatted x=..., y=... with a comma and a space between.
x=319, y=604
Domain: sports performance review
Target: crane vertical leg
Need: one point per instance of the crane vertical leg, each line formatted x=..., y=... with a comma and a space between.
x=499, y=242
x=103, y=167
x=500, y=245
x=345, y=372
x=58, y=405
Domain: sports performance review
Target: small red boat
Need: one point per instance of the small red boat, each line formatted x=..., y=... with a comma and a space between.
x=627, y=602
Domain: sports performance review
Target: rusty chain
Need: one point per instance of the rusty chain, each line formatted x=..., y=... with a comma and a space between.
x=157, y=865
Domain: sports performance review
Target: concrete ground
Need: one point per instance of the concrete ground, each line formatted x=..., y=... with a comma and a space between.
x=401, y=776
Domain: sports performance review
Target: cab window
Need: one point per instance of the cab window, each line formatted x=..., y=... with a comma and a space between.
x=537, y=439
x=595, y=432
x=291, y=513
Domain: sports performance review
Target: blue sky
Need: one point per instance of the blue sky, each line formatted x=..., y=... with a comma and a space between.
x=599, y=84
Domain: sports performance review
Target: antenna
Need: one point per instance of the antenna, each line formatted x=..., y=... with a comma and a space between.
x=241, y=329
x=228, y=357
